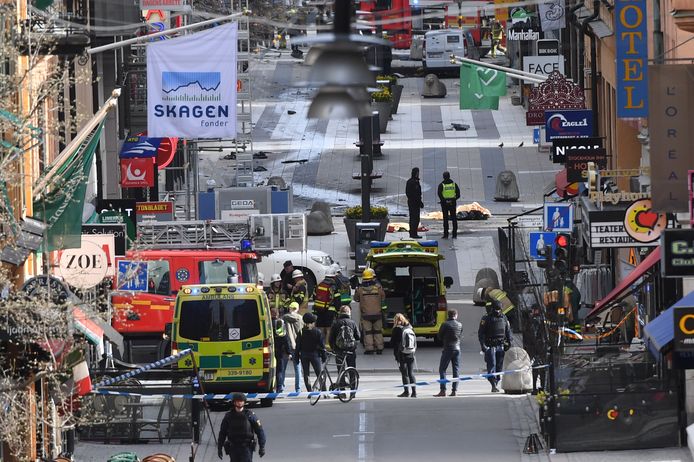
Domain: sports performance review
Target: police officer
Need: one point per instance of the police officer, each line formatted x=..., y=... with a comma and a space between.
x=448, y=193
x=494, y=335
x=238, y=430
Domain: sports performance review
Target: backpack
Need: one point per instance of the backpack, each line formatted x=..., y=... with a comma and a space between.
x=345, y=338
x=408, y=344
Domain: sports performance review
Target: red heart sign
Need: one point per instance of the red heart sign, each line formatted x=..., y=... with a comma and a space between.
x=646, y=219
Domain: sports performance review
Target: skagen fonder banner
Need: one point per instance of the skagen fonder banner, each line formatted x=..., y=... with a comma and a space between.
x=191, y=85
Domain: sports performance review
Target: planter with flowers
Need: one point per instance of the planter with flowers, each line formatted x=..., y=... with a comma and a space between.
x=353, y=216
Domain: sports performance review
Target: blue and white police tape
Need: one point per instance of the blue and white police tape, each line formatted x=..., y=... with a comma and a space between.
x=308, y=394
x=160, y=363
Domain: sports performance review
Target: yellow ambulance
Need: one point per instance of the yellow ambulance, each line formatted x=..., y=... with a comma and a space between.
x=229, y=329
x=410, y=274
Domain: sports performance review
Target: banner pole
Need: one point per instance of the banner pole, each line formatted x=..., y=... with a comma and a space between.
x=508, y=70
x=145, y=38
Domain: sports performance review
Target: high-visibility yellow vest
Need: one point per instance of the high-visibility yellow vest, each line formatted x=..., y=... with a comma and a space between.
x=448, y=190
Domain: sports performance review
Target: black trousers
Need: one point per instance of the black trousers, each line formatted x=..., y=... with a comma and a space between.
x=414, y=219
x=449, y=214
x=407, y=371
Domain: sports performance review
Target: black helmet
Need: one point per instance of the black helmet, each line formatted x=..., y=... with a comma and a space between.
x=238, y=397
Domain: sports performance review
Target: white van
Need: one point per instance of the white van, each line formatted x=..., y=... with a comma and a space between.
x=439, y=45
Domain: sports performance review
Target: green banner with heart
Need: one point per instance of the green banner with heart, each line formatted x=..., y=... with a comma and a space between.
x=481, y=87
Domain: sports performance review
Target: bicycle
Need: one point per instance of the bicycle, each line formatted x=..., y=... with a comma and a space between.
x=347, y=379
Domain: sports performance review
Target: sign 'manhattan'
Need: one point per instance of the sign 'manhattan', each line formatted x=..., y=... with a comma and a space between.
x=191, y=85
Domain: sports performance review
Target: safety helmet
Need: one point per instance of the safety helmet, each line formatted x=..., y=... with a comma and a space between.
x=480, y=293
x=238, y=397
x=297, y=274
x=275, y=278
x=368, y=274
x=330, y=272
x=261, y=277
x=336, y=267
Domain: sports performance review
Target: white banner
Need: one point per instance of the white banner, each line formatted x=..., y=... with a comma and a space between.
x=191, y=85
x=552, y=14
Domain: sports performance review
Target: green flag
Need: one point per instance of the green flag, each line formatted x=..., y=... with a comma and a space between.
x=480, y=88
x=60, y=206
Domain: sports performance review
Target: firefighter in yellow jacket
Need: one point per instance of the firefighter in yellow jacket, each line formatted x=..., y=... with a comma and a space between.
x=371, y=296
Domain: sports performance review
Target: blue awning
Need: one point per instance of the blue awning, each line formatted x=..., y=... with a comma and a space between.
x=660, y=332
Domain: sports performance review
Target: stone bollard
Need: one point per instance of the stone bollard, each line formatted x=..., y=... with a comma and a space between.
x=506, y=187
x=433, y=87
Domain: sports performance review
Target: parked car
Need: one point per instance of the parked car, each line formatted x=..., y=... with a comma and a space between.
x=313, y=263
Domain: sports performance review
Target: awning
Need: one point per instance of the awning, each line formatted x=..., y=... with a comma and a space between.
x=640, y=270
x=564, y=188
x=660, y=332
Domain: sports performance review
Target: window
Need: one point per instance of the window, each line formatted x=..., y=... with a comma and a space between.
x=219, y=320
x=452, y=39
x=218, y=271
x=158, y=281
x=249, y=271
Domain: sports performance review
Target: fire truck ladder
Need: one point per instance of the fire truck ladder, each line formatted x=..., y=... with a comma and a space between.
x=193, y=234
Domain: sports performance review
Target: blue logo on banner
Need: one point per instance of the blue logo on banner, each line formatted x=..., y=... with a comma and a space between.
x=538, y=241
x=139, y=146
x=631, y=35
x=577, y=123
x=132, y=275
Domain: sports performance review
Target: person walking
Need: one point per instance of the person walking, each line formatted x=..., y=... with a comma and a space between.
x=534, y=343
x=450, y=334
x=413, y=191
x=371, y=296
x=310, y=346
x=326, y=302
x=344, y=336
x=238, y=430
x=299, y=293
x=275, y=295
x=404, y=352
x=497, y=36
x=293, y=323
x=494, y=335
x=282, y=348
x=448, y=193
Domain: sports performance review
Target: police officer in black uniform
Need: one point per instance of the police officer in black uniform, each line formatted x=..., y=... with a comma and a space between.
x=238, y=430
x=495, y=338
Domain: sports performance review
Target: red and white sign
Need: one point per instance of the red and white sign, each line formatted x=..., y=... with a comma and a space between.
x=137, y=172
x=88, y=265
x=81, y=379
x=162, y=4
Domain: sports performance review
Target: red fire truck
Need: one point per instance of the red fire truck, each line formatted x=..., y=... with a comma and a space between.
x=170, y=261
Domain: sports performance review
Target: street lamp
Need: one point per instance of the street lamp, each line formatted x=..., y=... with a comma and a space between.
x=333, y=102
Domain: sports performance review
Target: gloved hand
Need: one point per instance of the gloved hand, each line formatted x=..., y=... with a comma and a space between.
x=507, y=345
x=220, y=454
x=261, y=451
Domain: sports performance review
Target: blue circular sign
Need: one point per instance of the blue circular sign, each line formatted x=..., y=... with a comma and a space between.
x=182, y=274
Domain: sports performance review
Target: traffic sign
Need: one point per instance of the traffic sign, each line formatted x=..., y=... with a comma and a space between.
x=538, y=242
x=132, y=275
x=559, y=217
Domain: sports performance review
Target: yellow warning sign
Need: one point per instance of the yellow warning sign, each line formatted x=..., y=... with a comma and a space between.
x=632, y=257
